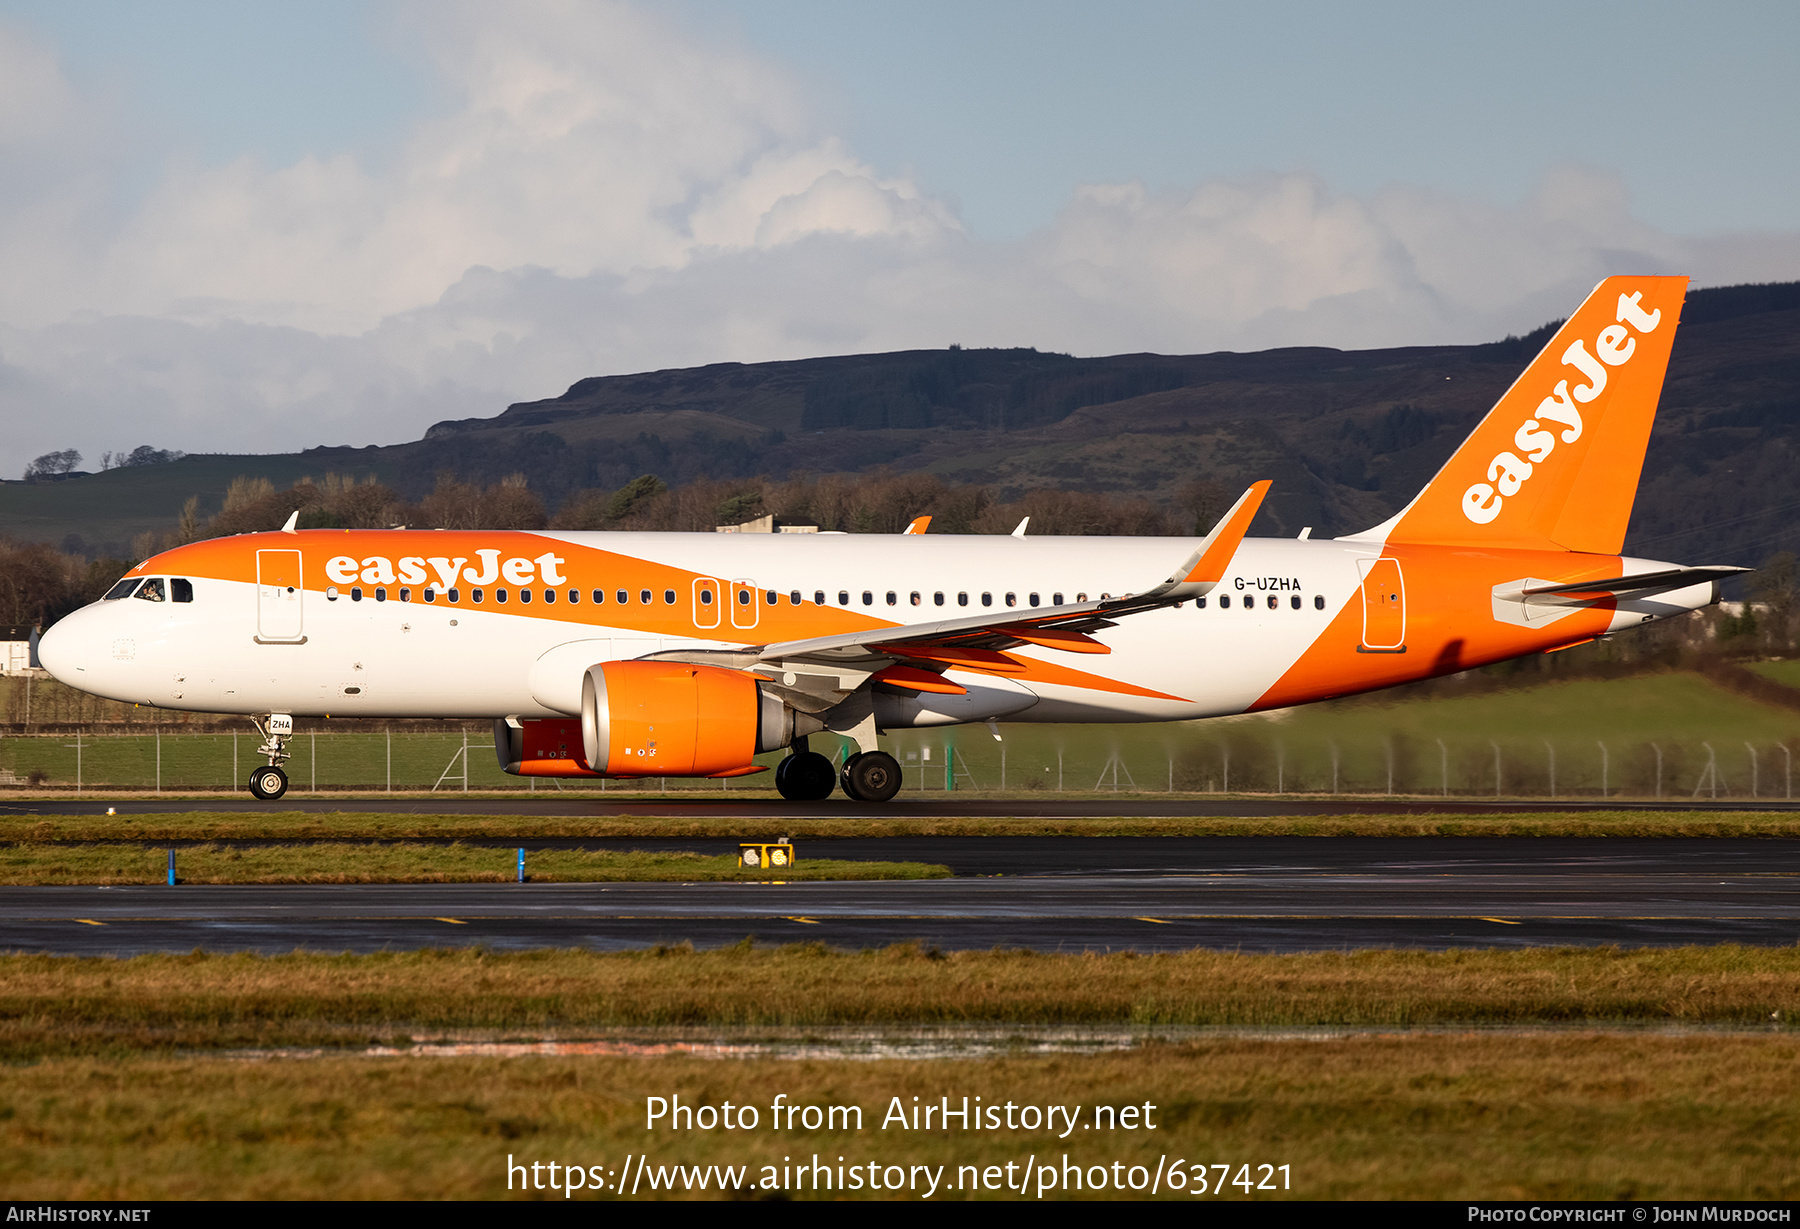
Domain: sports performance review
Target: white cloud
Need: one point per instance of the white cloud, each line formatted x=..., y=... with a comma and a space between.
x=611, y=192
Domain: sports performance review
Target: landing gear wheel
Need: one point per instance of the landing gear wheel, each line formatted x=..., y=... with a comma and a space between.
x=846, y=783
x=805, y=776
x=268, y=783
x=873, y=776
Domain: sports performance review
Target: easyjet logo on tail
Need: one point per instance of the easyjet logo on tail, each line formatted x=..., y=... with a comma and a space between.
x=1509, y=471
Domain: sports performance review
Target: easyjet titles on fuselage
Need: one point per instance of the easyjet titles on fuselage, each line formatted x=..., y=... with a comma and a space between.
x=411, y=569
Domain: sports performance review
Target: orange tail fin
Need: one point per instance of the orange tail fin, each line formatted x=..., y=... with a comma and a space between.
x=1555, y=463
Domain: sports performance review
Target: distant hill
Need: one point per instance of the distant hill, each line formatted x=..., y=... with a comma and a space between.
x=1348, y=436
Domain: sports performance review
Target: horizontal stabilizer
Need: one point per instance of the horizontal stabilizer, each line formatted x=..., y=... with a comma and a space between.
x=1643, y=582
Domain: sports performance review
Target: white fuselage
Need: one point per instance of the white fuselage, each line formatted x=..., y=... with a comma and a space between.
x=410, y=658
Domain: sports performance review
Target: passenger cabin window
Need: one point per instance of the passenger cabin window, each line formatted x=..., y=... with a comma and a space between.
x=455, y=595
x=122, y=589
x=430, y=595
x=1318, y=601
x=962, y=599
x=574, y=597
x=668, y=597
x=1199, y=603
x=915, y=599
x=987, y=599
x=405, y=594
x=892, y=598
x=499, y=596
x=794, y=597
x=1034, y=599
x=525, y=595
x=1224, y=600
x=1294, y=601
x=475, y=596
x=868, y=598
x=818, y=597
x=152, y=591
x=356, y=594
x=843, y=597
x=643, y=597
x=1056, y=599
x=937, y=599
x=181, y=590
x=622, y=596
x=1012, y=599
x=381, y=595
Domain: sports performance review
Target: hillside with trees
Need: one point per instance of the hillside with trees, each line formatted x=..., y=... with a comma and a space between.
x=1143, y=443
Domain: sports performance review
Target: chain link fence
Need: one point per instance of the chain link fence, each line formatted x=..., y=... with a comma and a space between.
x=1198, y=758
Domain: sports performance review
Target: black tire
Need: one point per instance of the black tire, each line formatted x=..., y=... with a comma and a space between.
x=873, y=776
x=844, y=781
x=268, y=784
x=805, y=776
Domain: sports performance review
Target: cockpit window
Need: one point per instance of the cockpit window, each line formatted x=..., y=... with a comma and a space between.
x=181, y=590
x=152, y=591
x=122, y=589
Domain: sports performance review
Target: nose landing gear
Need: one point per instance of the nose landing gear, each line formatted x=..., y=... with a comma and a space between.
x=269, y=782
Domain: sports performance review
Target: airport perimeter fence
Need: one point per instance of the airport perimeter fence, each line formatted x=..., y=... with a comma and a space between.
x=1054, y=759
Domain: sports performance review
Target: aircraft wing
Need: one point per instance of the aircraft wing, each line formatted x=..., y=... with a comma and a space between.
x=979, y=640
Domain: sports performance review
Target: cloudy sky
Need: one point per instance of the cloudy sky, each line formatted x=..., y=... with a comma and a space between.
x=232, y=226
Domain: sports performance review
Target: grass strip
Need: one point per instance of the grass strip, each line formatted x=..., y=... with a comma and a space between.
x=1588, y=1117
x=41, y=864
x=70, y=1005
x=308, y=825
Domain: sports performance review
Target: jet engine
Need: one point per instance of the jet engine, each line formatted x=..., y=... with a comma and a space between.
x=676, y=719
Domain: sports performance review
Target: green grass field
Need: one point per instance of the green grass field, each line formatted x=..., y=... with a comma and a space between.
x=68, y=1006
x=1473, y=1116
x=1787, y=672
x=32, y=863
x=137, y=1079
x=1569, y=739
x=281, y=823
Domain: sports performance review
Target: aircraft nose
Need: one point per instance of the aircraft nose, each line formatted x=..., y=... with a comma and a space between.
x=67, y=647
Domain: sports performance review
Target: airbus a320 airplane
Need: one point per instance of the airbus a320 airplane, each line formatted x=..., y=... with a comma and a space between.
x=627, y=655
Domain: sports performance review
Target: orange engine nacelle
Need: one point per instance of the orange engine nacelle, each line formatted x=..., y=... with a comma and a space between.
x=654, y=719
x=672, y=719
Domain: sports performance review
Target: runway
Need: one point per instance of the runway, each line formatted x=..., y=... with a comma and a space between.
x=1049, y=894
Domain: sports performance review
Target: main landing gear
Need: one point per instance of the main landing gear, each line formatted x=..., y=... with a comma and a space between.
x=807, y=776
x=871, y=776
x=269, y=782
